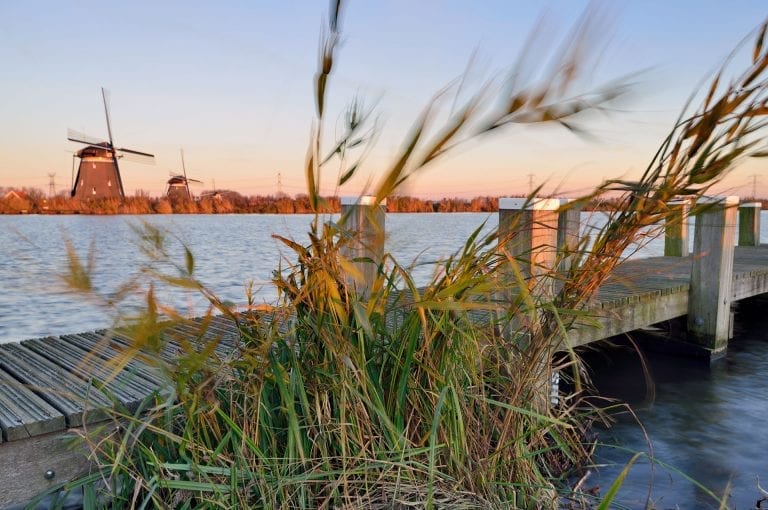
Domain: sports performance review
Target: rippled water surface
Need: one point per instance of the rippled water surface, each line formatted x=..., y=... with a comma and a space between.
x=229, y=251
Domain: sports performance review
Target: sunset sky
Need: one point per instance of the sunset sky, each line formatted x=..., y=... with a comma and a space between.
x=231, y=84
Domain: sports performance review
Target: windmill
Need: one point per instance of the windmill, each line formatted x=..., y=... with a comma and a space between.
x=98, y=175
x=178, y=185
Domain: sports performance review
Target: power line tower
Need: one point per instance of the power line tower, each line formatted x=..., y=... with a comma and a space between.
x=279, y=184
x=754, y=184
x=52, y=184
x=530, y=183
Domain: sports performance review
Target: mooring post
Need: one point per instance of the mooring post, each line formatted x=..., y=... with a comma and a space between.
x=364, y=221
x=528, y=236
x=749, y=223
x=676, y=228
x=709, y=301
x=568, y=231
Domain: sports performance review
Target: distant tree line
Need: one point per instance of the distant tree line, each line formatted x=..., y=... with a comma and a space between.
x=34, y=201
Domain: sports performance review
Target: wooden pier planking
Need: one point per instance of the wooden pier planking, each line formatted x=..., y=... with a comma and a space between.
x=49, y=386
x=129, y=389
x=644, y=292
x=227, y=339
x=75, y=398
x=100, y=345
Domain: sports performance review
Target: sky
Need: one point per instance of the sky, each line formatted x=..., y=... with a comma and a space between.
x=231, y=83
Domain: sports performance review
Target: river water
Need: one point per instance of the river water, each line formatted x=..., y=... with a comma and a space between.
x=705, y=422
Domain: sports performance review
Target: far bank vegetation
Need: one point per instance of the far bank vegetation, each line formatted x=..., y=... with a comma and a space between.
x=34, y=201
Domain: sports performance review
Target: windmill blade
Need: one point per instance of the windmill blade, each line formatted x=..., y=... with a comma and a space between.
x=194, y=180
x=106, y=112
x=131, y=151
x=76, y=136
x=139, y=157
x=183, y=166
x=138, y=153
x=184, y=169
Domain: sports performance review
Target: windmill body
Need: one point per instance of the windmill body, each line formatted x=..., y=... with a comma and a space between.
x=98, y=175
x=178, y=188
x=178, y=185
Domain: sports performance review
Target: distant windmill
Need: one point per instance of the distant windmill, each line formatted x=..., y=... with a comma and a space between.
x=178, y=185
x=98, y=175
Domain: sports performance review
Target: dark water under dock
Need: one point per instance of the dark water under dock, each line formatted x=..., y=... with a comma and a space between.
x=705, y=422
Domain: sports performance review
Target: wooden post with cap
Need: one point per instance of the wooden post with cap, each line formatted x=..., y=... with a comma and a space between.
x=709, y=300
x=364, y=221
x=749, y=224
x=676, y=229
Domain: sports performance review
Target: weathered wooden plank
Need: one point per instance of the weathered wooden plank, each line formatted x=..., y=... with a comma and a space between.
x=170, y=349
x=110, y=353
x=25, y=463
x=630, y=317
x=74, y=397
x=747, y=287
x=23, y=413
x=127, y=388
x=220, y=326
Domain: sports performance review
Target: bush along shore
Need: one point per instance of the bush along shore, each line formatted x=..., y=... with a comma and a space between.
x=359, y=389
x=33, y=201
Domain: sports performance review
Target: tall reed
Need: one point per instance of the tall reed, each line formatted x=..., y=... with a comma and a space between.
x=399, y=395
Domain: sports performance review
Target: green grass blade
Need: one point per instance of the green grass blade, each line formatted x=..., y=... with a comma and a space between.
x=613, y=490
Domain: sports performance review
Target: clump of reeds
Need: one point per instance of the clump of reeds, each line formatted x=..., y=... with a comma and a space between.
x=394, y=395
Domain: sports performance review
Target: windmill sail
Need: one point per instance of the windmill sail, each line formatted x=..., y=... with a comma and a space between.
x=98, y=175
x=76, y=136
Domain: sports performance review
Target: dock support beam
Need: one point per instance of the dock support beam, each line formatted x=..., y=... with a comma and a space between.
x=364, y=221
x=709, y=302
x=676, y=229
x=749, y=224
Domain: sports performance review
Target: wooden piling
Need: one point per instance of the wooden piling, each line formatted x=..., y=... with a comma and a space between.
x=749, y=224
x=712, y=274
x=364, y=221
x=676, y=229
x=528, y=233
x=568, y=231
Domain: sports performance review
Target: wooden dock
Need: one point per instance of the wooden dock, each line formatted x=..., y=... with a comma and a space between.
x=49, y=386
x=644, y=292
